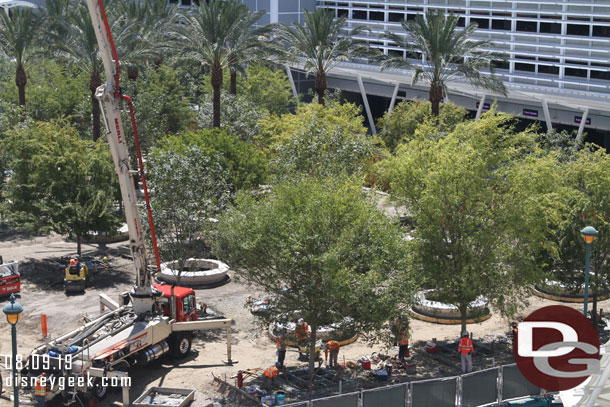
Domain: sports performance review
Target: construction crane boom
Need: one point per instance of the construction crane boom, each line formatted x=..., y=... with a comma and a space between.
x=110, y=96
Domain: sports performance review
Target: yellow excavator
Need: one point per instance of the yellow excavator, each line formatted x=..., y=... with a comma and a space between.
x=75, y=280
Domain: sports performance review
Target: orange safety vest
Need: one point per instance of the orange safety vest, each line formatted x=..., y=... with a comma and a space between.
x=40, y=390
x=280, y=342
x=331, y=346
x=271, y=372
x=301, y=331
x=404, y=337
x=465, y=346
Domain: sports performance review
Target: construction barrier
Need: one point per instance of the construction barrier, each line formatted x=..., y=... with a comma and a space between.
x=391, y=396
x=434, y=392
x=483, y=387
x=345, y=400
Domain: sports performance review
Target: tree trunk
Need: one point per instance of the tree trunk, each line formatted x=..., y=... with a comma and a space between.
x=95, y=81
x=233, y=82
x=216, y=85
x=463, y=317
x=320, y=85
x=21, y=80
x=79, y=241
x=436, y=94
x=312, y=351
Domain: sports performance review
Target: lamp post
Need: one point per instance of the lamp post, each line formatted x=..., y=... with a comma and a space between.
x=588, y=233
x=13, y=310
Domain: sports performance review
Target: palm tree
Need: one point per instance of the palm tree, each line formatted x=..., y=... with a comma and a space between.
x=208, y=34
x=17, y=34
x=320, y=44
x=138, y=28
x=448, y=54
x=79, y=46
x=248, y=43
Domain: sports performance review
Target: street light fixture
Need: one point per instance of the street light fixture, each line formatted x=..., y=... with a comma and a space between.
x=588, y=233
x=13, y=310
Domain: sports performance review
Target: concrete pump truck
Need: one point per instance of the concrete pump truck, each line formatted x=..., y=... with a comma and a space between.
x=146, y=322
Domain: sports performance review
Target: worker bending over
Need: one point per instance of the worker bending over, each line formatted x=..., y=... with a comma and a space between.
x=465, y=350
x=332, y=347
x=269, y=376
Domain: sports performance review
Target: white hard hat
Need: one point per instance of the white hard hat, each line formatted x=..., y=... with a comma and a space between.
x=465, y=333
x=301, y=320
x=324, y=346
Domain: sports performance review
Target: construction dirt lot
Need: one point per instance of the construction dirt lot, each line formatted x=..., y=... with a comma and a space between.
x=42, y=292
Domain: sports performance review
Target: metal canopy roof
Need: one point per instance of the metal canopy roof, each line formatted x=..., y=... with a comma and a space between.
x=574, y=99
x=16, y=3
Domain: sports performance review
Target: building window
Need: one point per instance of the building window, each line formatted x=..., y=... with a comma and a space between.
x=483, y=23
x=411, y=17
x=520, y=66
x=461, y=22
x=501, y=64
x=359, y=15
x=396, y=17
x=604, y=76
x=601, y=30
x=500, y=25
x=548, y=69
x=527, y=26
x=550, y=28
x=376, y=16
x=578, y=29
x=342, y=12
x=396, y=53
x=580, y=73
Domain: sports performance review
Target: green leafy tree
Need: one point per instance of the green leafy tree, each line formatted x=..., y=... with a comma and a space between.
x=400, y=126
x=320, y=43
x=196, y=180
x=208, y=33
x=464, y=210
x=18, y=30
x=244, y=166
x=240, y=116
x=583, y=205
x=449, y=54
x=60, y=182
x=278, y=130
x=161, y=106
x=266, y=87
x=319, y=248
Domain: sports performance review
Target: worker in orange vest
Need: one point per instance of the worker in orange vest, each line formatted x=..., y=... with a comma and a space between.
x=403, y=343
x=269, y=375
x=332, y=347
x=40, y=392
x=302, y=332
x=465, y=350
x=280, y=344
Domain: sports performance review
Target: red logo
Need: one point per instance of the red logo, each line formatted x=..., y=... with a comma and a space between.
x=556, y=348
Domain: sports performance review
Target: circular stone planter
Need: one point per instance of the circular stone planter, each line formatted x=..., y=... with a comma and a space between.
x=196, y=272
x=324, y=333
x=557, y=291
x=442, y=313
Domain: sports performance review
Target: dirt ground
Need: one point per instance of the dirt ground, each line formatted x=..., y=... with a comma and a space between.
x=42, y=292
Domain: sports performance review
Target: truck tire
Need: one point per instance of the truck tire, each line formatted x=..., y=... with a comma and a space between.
x=181, y=346
x=98, y=391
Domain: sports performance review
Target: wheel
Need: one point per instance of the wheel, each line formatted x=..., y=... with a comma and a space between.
x=182, y=346
x=98, y=391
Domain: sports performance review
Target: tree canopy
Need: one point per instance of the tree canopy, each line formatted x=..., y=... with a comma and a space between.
x=319, y=247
